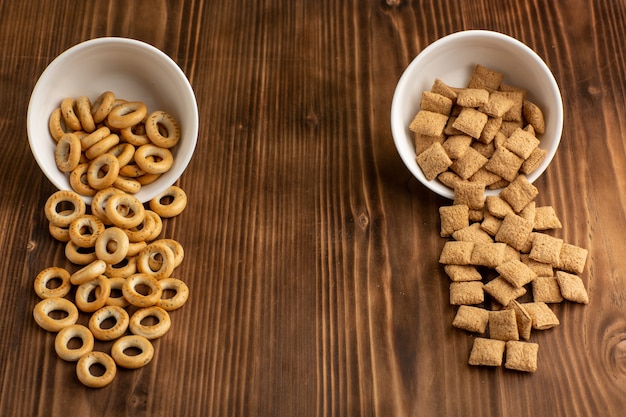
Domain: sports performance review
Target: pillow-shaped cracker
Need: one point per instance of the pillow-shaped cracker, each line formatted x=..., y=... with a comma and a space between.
x=457, y=145
x=449, y=179
x=485, y=149
x=468, y=164
x=489, y=254
x=524, y=321
x=521, y=143
x=515, y=231
x=471, y=318
x=511, y=254
x=472, y=194
x=485, y=177
x=497, y=207
x=466, y=293
x=436, y=103
x=514, y=114
x=516, y=273
x=471, y=122
x=487, y=352
x=450, y=130
x=453, y=218
x=497, y=104
x=543, y=317
x=461, y=273
x=476, y=215
x=440, y=87
x=472, y=97
x=546, y=218
x=546, y=248
x=540, y=268
x=456, y=253
x=433, y=161
x=533, y=161
x=490, y=224
x=572, y=287
x=428, y=123
x=546, y=289
x=502, y=291
x=484, y=77
x=572, y=258
x=533, y=115
x=519, y=193
x=423, y=142
x=503, y=325
x=528, y=212
x=491, y=129
x=521, y=356
x=472, y=233
x=504, y=163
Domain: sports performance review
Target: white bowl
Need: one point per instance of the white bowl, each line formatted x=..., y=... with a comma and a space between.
x=452, y=59
x=133, y=70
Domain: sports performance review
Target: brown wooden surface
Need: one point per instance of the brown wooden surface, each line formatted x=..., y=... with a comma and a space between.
x=311, y=252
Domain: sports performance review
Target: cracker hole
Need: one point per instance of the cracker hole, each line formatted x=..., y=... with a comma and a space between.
x=108, y=323
x=58, y=314
x=132, y=351
x=54, y=283
x=149, y=321
x=75, y=343
x=97, y=369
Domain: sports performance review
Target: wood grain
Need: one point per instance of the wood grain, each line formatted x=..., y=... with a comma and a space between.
x=310, y=251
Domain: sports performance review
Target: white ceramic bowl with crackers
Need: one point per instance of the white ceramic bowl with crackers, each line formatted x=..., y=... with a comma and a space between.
x=134, y=71
x=452, y=59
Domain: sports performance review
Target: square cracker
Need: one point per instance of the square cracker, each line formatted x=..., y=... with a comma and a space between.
x=572, y=287
x=516, y=272
x=524, y=321
x=497, y=104
x=439, y=87
x=472, y=194
x=533, y=161
x=433, y=161
x=515, y=231
x=471, y=318
x=521, y=356
x=546, y=289
x=453, y=218
x=456, y=253
x=542, y=316
x=491, y=129
x=462, y=273
x=484, y=77
x=457, y=145
x=487, y=352
x=468, y=164
x=497, y=207
x=534, y=116
x=572, y=258
x=436, y=103
x=540, y=268
x=423, y=142
x=502, y=291
x=471, y=122
x=472, y=233
x=485, y=177
x=546, y=218
x=503, y=325
x=504, y=163
x=428, y=123
x=546, y=248
x=521, y=143
x=489, y=254
x=472, y=97
x=519, y=193
x=490, y=224
x=466, y=293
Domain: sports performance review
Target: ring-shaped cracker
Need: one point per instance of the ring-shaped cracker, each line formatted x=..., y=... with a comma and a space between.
x=84, y=231
x=135, y=135
x=160, y=122
x=158, y=225
x=75, y=331
x=94, y=137
x=129, y=289
x=102, y=106
x=112, y=245
x=128, y=185
x=132, y=361
x=61, y=234
x=177, y=249
x=68, y=114
x=153, y=331
x=51, y=275
x=169, y=203
x=103, y=171
x=99, y=201
x=127, y=114
x=78, y=255
x=56, y=125
x=178, y=299
x=78, y=180
x=118, y=314
x=67, y=152
x=161, y=161
x=103, y=146
x=124, y=153
x=99, y=288
x=42, y=310
x=165, y=260
x=90, y=380
x=88, y=272
x=59, y=215
x=146, y=178
x=123, y=269
x=143, y=230
x=124, y=210
x=83, y=111
x=116, y=296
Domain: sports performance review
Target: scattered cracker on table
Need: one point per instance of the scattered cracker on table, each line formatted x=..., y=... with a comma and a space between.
x=572, y=258
x=466, y=293
x=472, y=233
x=516, y=273
x=515, y=231
x=524, y=321
x=487, y=352
x=546, y=289
x=456, y=253
x=489, y=254
x=453, y=218
x=502, y=290
x=546, y=248
x=521, y=356
x=542, y=316
x=462, y=273
x=572, y=287
x=503, y=325
x=471, y=318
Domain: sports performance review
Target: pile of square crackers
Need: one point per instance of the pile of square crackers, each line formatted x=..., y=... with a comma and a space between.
x=505, y=265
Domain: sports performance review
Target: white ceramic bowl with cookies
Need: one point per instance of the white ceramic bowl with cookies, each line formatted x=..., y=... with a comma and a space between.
x=133, y=71
x=452, y=60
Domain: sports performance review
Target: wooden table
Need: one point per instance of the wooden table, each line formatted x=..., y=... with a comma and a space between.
x=311, y=252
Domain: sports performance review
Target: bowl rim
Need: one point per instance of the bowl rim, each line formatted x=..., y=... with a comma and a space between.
x=399, y=131
x=112, y=41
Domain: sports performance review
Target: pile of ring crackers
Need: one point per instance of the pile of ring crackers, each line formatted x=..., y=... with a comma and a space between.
x=505, y=265
x=117, y=295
